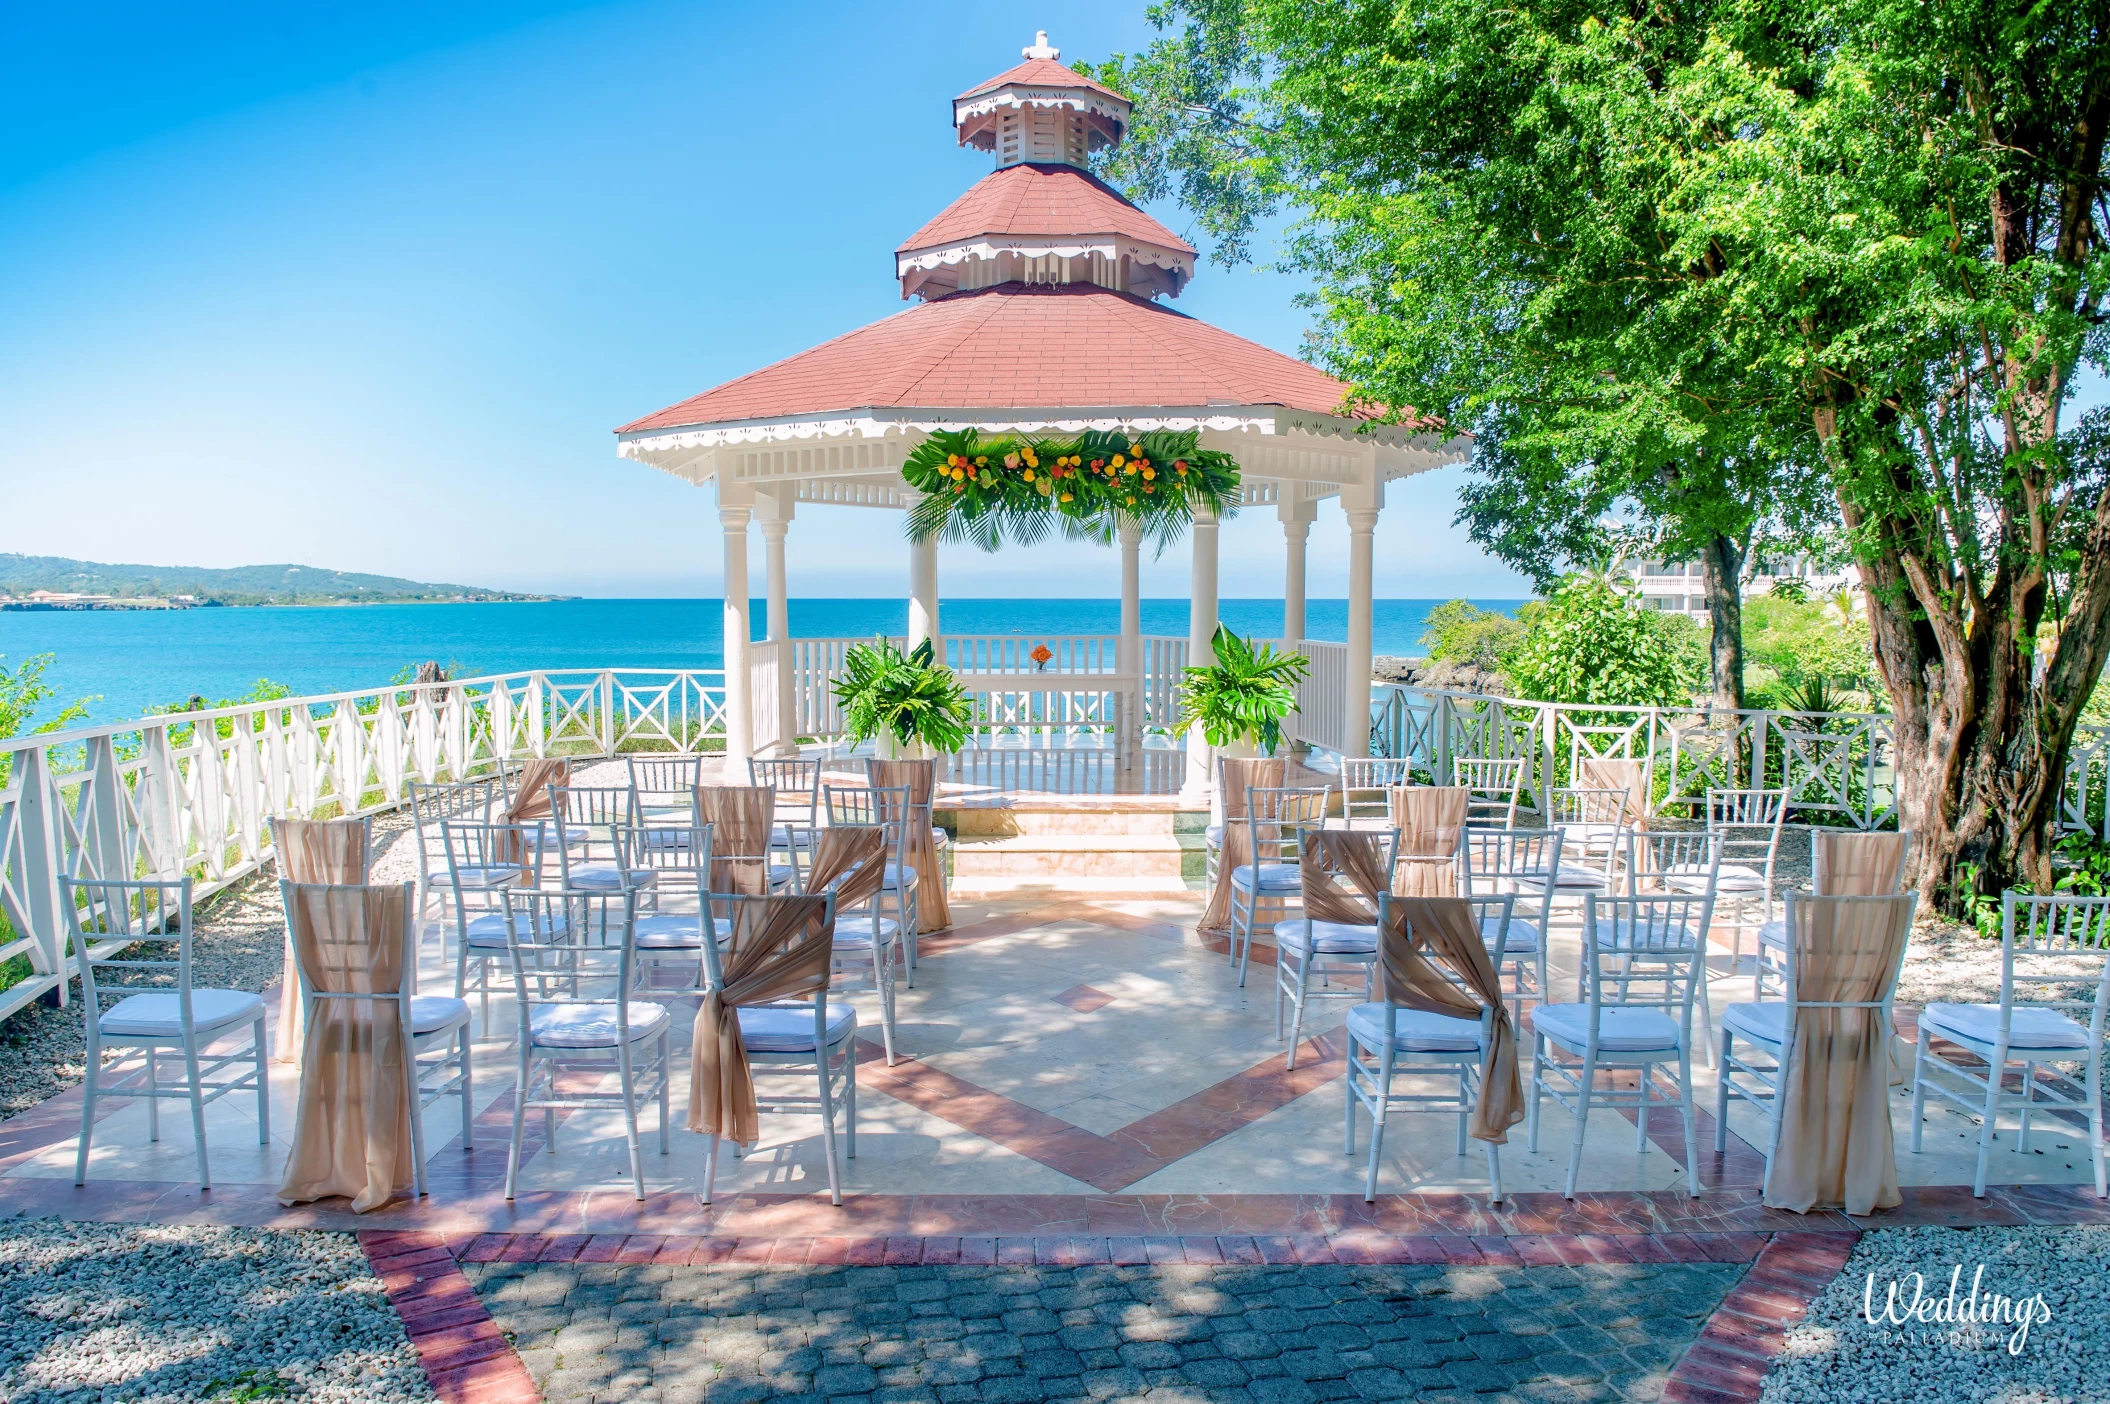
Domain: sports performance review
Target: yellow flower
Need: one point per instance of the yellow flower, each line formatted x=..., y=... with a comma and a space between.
x=981, y=460
x=1149, y=473
x=952, y=460
x=1135, y=446
x=1131, y=470
x=1066, y=497
x=1118, y=460
x=1029, y=475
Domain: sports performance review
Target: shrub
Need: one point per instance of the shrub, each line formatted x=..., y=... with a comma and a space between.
x=1459, y=631
x=1590, y=642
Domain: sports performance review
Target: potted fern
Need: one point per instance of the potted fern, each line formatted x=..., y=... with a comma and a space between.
x=911, y=703
x=1241, y=699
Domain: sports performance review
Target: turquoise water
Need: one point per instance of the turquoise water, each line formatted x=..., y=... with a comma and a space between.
x=129, y=661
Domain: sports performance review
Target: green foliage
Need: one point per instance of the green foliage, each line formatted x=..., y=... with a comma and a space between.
x=909, y=696
x=984, y=490
x=1246, y=692
x=2084, y=866
x=1588, y=642
x=1459, y=631
x=23, y=689
x=264, y=691
x=1802, y=649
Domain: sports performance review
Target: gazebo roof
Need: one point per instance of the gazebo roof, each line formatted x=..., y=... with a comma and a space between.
x=1039, y=73
x=1050, y=200
x=1014, y=346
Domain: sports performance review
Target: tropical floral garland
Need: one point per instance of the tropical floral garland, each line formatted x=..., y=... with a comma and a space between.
x=985, y=491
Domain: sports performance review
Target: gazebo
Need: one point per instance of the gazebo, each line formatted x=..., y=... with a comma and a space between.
x=1039, y=304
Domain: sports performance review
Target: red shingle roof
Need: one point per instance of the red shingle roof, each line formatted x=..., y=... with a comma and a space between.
x=1036, y=199
x=1018, y=347
x=1041, y=73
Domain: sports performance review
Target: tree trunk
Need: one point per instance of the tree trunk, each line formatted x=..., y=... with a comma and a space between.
x=1721, y=567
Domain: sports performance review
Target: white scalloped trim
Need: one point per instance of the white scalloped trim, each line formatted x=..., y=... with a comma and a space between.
x=1110, y=248
x=1013, y=95
x=1262, y=421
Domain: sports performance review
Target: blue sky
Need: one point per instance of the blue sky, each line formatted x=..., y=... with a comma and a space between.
x=368, y=286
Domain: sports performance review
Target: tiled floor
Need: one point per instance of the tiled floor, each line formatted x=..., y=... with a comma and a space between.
x=1055, y=1053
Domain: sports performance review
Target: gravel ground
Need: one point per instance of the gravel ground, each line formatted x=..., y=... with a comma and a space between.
x=239, y=945
x=1005, y=1335
x=1837, y=1354
x=157, y=1315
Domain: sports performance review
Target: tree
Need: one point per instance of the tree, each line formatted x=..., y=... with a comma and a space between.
x=1480, y=185
x=1847, y=243
x=22, y=691
x=1908, y=204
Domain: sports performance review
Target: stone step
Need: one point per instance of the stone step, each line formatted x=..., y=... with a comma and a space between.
x=1061, y=856
x=1082, y=821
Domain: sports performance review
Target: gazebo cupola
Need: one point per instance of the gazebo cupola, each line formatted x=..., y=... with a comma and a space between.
x=1041, y=217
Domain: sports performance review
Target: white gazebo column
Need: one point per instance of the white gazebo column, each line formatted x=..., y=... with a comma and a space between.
x=1362, y=505
x=1296, y=535
x=733, y=515
x=773, y=513
x=1130, y=660
x=923, y=594
x=1201, y=649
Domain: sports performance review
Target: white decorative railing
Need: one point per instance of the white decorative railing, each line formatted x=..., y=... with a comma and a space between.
x=1322, y=698
x=1836, y=765
x=195, y=792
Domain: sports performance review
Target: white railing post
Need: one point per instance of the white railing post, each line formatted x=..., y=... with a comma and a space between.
x=608, y=731
x=39, y=846
x=102, y=822
x=159, y=802
x=538, y=716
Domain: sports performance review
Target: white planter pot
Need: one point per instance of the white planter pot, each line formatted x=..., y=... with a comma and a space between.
x=1244, y=748
x=890, y=747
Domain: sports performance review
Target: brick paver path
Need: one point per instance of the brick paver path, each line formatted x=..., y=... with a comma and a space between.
x=963, y=1335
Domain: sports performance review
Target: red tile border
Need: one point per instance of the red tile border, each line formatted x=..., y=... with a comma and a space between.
x=1736, y=1348
x=1083, y=998
x=467, y=1359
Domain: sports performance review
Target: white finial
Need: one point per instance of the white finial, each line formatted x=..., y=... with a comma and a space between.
x=1040, y=48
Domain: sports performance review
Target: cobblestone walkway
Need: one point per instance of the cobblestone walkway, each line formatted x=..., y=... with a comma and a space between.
x=963, y=1335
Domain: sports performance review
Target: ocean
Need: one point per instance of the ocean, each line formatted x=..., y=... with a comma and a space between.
x=125, y=662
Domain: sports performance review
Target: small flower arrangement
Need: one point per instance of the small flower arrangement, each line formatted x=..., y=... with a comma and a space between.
x=1040, y=656
x=985, y=491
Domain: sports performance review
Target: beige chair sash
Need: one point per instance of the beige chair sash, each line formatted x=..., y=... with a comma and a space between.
x=780, y=948
x=1431, y=824
x=850, y=858
x=1237, y=775
x=312, y=851
x=1620, y=774
x=533, y=803
x=1857, y=864
x=1422, y=930
x=920, y=778
x=351, y=1133
x=1834, y=1148
x=741, y=817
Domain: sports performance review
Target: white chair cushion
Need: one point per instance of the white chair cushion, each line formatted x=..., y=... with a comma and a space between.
x=1774, y=934
x=669, y=840
x=781, y=1028
x=431, y=1013
x=1415, y=1031
x=1622, y=934
x=1327, y=937
x=1620, y=1030
x=2031, y=1027
x=1569, y=878
x=1736, y=877
x=895, y=874
x=590, y=1025
x=481, y=879
x=669, y=931
x=1590, y=833
x=1213, y=836
x=1274, y=877
x=607, y=877
x=855, y=930
x=488, y=932
x=1765, y=1023
x=1521, y=938
x=160, y=1015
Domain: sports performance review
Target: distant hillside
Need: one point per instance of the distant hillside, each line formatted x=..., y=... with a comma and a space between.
x=240, y=585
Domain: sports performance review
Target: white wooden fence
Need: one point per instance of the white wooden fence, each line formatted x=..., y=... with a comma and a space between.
x=1835, y=766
